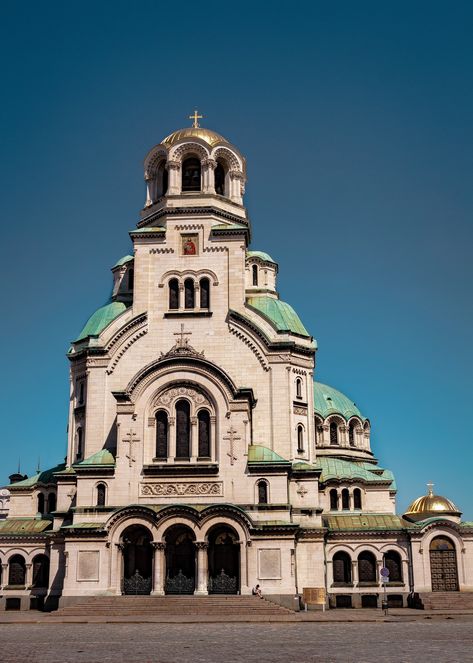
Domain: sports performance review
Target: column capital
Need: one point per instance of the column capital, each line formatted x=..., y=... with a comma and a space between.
x=201, y=545
x=158, y=545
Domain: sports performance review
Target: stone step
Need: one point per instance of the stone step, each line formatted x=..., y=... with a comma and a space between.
x=447, y=600
x=174, y=606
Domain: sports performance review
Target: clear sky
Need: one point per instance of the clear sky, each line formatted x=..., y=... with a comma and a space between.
x=356, y=119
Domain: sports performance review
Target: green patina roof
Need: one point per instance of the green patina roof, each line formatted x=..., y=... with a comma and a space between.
x=257, y=453
x=24, y=526
x=372, y=521
x=260, y=254
x=279, y=314
x=84, y=526
x=123, y=261
x=328, y=400
x=300, y=465
x=338, y=469
x=102, y=457
x=101, y=319
x=41, y=477
x=149, y=229
x=230, y=226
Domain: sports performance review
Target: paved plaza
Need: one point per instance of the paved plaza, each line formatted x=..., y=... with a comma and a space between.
x=421, y=640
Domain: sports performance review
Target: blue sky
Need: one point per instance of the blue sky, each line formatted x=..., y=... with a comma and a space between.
x=356, y=121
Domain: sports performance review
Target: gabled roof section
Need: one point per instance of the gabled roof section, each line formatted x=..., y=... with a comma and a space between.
x=45, y=477
x=24, y=526
x=99, y=459
x=362, y=521
x=100, y=319
x=328, y=400
x=279, y=314
x=336, y=469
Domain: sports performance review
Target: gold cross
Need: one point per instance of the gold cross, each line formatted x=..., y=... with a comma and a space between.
x=430, y=486
x=196, y=119
x=182, y=342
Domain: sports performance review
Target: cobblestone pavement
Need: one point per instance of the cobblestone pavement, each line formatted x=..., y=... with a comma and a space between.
x=446, y=640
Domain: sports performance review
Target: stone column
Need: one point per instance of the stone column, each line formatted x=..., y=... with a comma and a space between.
x=379, y=566
x=354, y=572
x=194, y=441
x=213, y=437
x=172, y=439
x=244, y=580
x=119, y=568
x=208, y=185
x=149, y=190
x=202, y=568
x=158, y=568
x=29, y=575
x=4, y=575
x=174, y=170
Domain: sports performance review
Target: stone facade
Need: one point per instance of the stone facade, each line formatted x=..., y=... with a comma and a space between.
x=202, y=456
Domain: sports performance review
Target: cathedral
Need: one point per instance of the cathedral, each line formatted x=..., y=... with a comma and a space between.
x=203, y=455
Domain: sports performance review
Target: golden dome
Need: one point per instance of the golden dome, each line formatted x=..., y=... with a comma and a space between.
x=210, y=137
x=432, y=505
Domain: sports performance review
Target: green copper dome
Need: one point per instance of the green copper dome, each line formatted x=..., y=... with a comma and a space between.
x=101, y=319
x=123, y=261
x=279, y=314
x=328, y=400
x=261, y=255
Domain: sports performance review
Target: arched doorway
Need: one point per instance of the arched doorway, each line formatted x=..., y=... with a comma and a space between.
x=180, y=561
x=443, y=565
x=224, y=561
x=137, y=560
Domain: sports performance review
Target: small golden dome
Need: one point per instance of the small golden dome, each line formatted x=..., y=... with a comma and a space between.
x=432, y=505
x=210, y=137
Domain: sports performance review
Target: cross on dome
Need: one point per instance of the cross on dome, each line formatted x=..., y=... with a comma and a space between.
x=430, y=486
x=196, y=117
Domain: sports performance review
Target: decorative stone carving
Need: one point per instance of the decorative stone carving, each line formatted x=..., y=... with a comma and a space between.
x=166, y=397
x=181, y=488
x=300, y=410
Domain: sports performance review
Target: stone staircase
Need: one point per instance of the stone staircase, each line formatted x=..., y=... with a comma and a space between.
x=447, y=600
x=179, y=608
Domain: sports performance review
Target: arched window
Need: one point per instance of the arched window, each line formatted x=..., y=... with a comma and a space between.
x=341, y=568
x=183, y=429
x=81, y=393
x=161, y=434
x=262, y=492
x=357, y=498
x=351, y=433
x=40, y=503
x=298, y=388
x=189, y=293
x=173, y=294
x=333, y=500
x=191, y=174
x=345, y=499
x=220, y=179
x=51, y=502
x=392, y=561
x=162, y=180
x=17, y=571
x=80, y=444
x=366, y=567
x=333, y=433
x=131, y=278
x=254, y=270
x=41, y=571
x=101, y=494
x=203, y=419
x=300, y=438
x=204, y=293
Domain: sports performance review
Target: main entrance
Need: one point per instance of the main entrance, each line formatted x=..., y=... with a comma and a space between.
x=443, y=565
x=224, y=561
x=180, y=561
x=137, y=560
